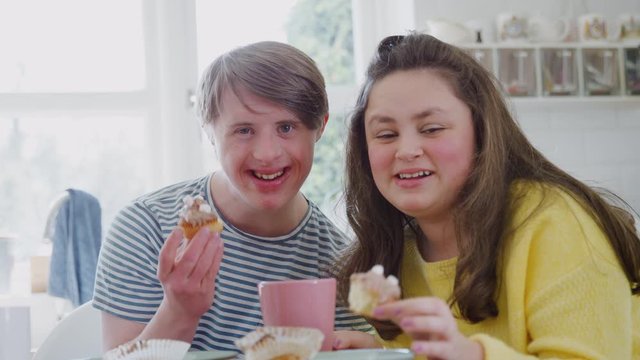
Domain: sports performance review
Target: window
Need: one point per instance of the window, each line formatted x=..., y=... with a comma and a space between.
x=94, y=95
x=71, y=46
x=73, y=109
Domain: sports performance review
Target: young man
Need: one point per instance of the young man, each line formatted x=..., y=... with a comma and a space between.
x=263, y=106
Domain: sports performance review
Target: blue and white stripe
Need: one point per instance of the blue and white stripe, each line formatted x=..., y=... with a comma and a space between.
x=127, y=286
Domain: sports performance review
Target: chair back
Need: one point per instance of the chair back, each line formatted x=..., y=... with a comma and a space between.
x=78, y=335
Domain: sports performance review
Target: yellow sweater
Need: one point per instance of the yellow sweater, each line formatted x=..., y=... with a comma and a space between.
x=563, y=293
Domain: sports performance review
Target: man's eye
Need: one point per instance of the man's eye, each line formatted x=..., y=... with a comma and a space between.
x=286, y=128
x=244, y=131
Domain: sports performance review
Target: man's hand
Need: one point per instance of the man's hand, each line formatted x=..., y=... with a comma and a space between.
x=188, y=272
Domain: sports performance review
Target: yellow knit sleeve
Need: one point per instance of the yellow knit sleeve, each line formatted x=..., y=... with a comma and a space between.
x=576, y=300
x=496, y=349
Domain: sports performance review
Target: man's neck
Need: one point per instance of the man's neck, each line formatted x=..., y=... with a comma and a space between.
x=256, y=221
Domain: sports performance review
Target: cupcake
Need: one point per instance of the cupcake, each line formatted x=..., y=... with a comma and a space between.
x=370, y=289
x=151, y=349
x=195, y=214
x=281, y=343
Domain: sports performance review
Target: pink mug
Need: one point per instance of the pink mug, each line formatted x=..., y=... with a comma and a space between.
x=300, y=303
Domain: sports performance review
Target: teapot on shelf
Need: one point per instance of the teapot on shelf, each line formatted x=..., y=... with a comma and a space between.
x=449, y=31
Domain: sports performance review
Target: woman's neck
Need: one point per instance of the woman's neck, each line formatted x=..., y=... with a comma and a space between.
x=439, y=241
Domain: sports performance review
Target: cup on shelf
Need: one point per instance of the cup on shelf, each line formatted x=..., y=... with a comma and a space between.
x=592, y=27
x=511, y=27
x=627, y=28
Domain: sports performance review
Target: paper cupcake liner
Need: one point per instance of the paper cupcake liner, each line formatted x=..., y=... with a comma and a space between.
x=152, y=349
x=273, y=342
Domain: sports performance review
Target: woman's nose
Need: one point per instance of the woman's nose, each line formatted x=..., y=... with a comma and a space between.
x=409, y=150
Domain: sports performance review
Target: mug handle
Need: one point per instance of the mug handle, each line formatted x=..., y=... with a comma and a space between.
x=565, y=25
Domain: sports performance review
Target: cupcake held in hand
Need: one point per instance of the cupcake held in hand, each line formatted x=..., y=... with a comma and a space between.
x=195, y=214
x=370, y=289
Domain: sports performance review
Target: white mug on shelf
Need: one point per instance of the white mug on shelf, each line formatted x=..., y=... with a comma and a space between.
x=627, y=28
x=592, y=27
x=543, y=29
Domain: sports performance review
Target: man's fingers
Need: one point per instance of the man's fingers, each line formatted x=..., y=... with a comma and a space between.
x=166, y=259
x=186, y=264
x=205, y=260
x=214, y=267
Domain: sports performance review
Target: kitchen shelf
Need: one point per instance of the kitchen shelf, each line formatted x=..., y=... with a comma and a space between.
x=569, y=72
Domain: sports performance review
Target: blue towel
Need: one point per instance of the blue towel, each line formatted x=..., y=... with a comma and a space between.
x=76, y=245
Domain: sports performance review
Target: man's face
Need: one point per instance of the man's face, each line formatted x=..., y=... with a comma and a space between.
x=266, y=152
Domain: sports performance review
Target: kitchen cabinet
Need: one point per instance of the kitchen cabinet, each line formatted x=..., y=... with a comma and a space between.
x=563, y=70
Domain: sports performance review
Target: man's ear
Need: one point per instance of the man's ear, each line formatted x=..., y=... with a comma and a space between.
x=208, y=131
x=321, y=129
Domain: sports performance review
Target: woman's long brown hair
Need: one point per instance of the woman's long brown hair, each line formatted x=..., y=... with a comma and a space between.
x=503, y=155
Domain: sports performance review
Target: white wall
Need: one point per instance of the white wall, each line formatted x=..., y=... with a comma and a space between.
x=596, y=140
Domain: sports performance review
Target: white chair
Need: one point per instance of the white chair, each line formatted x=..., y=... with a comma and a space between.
x=78, y=335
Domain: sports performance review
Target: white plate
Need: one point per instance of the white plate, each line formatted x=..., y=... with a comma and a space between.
x=366, y=354
x=210, y=355
x=199, y=355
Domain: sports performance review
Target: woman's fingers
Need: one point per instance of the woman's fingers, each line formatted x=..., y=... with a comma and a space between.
x=168, y=253
x=427, y=327
x=349, y=339
x=397, y=310
x=426, y=318
x=433, y=349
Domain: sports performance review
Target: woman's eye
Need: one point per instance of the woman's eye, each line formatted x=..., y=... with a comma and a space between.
x=431, y=130
x=385, y=135
x=244, y=131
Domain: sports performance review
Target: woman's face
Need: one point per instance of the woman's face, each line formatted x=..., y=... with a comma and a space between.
x=420, y=142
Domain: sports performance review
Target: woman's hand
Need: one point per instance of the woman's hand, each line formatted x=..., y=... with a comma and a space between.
x=344, y=339
x=431, y=325
x=188, y=272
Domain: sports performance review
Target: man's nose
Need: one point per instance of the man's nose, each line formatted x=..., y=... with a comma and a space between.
x=267, y=148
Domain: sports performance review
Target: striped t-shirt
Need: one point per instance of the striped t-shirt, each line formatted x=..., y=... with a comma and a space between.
x=127, y=285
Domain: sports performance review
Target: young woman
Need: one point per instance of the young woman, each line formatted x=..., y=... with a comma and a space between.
x=500, y=254
x=264, y=106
